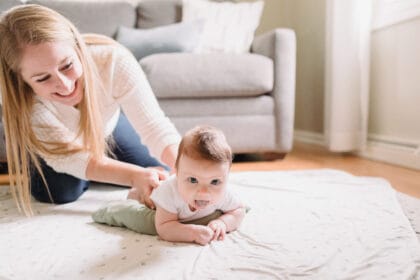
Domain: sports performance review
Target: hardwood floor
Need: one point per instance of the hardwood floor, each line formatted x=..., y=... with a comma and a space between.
x=312, y=157
x=4, y=179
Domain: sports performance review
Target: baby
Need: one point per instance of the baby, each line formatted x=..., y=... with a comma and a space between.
x=198, y=189
x=194, y=205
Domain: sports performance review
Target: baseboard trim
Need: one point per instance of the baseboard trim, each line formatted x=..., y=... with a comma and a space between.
x=309, y=137
x=396, y=153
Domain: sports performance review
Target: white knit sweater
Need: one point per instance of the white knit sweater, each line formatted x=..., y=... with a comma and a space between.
x=126, y=88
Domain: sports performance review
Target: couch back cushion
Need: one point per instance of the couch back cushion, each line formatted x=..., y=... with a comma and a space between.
x=7, y=4
x=154, y=13
x=229, y=27
x=94, y=17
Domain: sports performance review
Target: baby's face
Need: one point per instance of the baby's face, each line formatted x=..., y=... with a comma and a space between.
x=201, y=182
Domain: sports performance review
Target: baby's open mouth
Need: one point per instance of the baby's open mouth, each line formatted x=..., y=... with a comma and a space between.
x=201, y=203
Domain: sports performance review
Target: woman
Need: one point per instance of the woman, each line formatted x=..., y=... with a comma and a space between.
x=62, y=96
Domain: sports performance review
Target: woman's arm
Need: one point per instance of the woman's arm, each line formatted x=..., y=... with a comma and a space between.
x=169, y=156
x=170, y=229
x=132, y=91
x=112, y=171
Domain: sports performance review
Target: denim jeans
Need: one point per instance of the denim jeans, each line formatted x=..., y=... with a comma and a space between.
x=65, y=188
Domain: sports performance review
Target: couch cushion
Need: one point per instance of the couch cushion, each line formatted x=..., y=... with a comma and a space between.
x=153, y=13
x=7, y=4
x=185, y=75
x=94, y=17
x=204, y=107
x=245, y=134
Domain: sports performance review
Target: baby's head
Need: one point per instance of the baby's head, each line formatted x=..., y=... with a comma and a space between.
x=203, y=164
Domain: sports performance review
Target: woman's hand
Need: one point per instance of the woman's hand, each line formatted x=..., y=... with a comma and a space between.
x=141, y=180
x=143, y=183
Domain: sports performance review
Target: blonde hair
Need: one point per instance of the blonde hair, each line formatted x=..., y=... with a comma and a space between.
x=31, y=25
x=207, y=143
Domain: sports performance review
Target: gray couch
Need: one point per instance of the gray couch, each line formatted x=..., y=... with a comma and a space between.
x=249, y=96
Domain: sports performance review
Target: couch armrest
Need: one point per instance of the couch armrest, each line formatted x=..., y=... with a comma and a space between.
x=280, y=46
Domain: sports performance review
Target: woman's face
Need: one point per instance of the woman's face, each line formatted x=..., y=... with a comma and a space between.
x=53, y=71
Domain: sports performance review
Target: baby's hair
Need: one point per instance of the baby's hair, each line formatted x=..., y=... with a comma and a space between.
x=207, y=143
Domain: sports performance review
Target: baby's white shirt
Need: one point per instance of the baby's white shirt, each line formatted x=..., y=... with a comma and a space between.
x=167, y=196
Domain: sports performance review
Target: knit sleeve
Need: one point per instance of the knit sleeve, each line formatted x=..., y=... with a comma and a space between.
x=48, y=128
x=132, y=91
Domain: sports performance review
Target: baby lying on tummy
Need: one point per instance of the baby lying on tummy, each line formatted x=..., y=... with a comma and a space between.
x=198, y=189
x=188, y=204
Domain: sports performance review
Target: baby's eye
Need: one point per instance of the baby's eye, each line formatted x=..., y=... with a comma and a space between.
x=192, y=180
x=215, y=182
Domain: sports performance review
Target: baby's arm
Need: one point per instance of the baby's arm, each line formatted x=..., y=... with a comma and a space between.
x=170, y=229
x=228, y=222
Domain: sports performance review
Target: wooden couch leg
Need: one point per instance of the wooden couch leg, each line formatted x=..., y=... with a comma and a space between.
x=273, y=156
x=258, y=157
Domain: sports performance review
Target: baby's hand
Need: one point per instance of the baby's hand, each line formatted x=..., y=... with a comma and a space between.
x=219, y=229
x=202, y=234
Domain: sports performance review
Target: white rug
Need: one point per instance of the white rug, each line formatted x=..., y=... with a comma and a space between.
x=318, y=224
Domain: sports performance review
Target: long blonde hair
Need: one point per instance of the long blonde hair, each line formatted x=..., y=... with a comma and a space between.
x=31, y=25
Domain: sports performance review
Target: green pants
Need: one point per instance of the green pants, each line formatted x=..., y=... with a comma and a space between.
x=137, y=217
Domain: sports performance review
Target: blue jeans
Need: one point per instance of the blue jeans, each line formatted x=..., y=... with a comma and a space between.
x=65, y=188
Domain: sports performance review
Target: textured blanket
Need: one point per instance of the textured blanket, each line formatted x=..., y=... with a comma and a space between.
x=316, y=224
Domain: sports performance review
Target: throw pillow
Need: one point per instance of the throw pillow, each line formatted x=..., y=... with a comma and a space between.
x=178, y=37
x=229, y=27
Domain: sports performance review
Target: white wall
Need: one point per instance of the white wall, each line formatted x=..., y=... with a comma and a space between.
x=307, y=18
x=394, y=112
x=395, y=87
